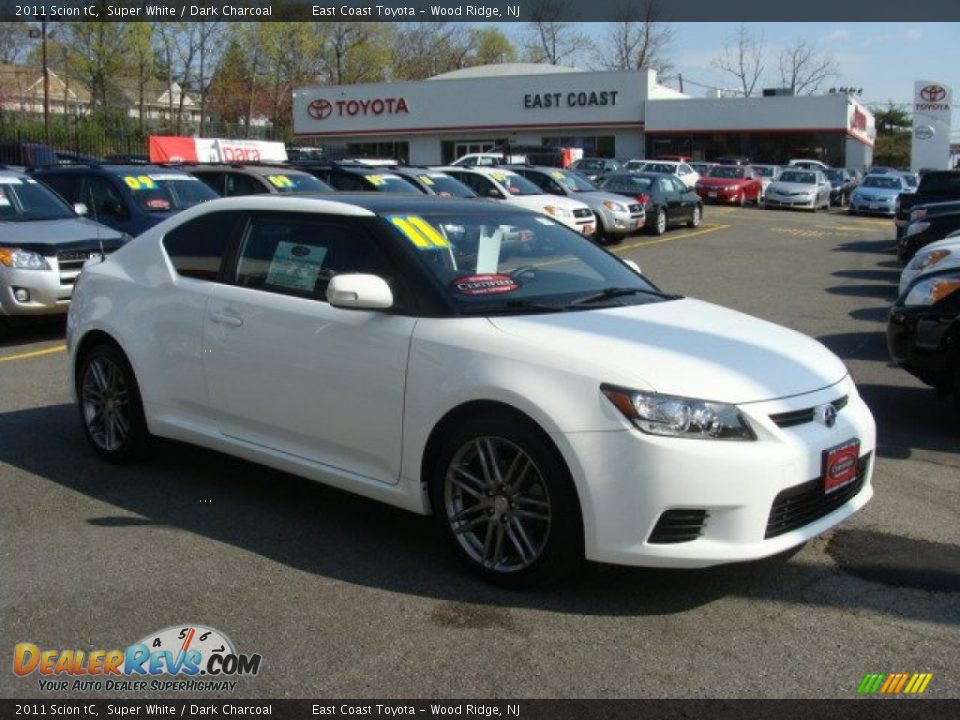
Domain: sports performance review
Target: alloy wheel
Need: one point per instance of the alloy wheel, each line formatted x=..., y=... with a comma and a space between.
x=497, y=504
x=105, y=400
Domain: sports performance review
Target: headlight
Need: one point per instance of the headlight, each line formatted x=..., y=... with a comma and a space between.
x=673, y=416
x=557, y=211
x=615, y=206
x=917, y=227
x=926, y=260
x=22, y=259
x=931, y=291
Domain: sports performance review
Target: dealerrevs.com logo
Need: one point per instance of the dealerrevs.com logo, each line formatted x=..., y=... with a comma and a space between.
x=186, y=658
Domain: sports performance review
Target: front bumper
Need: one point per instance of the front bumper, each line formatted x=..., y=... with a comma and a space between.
x=872, y=207
x=618, y=223
x=627, y=480
x=720, y=196
x=804, y=202
x=918, y=341
x=49, y=290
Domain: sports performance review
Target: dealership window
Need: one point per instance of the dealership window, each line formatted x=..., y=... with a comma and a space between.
x=592, y=145
x=772, y=148
x=395, y=150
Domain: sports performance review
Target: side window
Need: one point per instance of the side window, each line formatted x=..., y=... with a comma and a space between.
x=240, y=184
x=684, y=170
x=345, y=181
x=469, y=162
x=197, y=247
x=678, y=186
x=214, y=180
x=665, y=185
x=540, y=180
x=66, y=185
x=298, y=254
x=102, y=198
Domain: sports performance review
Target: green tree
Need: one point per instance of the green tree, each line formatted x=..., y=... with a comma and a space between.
x=894, y=125
x=488, y=46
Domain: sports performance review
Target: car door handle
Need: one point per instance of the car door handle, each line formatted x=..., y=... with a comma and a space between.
x=231, y=320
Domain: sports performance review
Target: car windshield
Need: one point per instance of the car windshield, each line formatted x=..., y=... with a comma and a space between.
x=387, y=182
x=765, y=170
x=518, y=263
x=945, y=183
x=156, y=192
x=834, y=174
x=445, y=186
x=515, y=184
x=572, y=181
x=885, y=182
x=660, y=168
x=726, y=172
x=797, y=176
x=24, y=199
x=910, y=180
x=635, y=164
x=294, y=182
x=632, y=184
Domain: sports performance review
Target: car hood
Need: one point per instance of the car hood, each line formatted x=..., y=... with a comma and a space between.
x=539, y=202
x=54, y=232
x=596, y=198
x=791, y=187
x=684, y=347
x=719, y=181
x=877, y=191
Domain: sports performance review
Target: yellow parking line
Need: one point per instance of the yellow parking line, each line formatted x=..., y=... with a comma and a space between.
x=35, y=353
x=668, y=238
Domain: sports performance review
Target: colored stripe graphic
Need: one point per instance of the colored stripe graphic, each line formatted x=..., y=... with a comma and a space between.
x=894, y=683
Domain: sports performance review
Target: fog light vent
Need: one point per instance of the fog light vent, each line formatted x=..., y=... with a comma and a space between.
x=678, y=525
x=22, y=295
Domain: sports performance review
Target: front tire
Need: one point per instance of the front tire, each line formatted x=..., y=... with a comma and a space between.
x=504, y=500
x=659, y=226
x=111, y=409
x=697, y=216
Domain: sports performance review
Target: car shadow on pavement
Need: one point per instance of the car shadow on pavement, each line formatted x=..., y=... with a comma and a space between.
x=911, y=418
x=883, y=292
x=857, y=345
x=871, y=314
x=879, y=275
x=883, y=247
x=341, y=536
x=35, y=332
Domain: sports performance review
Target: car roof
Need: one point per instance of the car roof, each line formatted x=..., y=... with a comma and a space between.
x=12, y=172
x=480, y=170
x=112, y=169
x=252, y=169
x=356, y=204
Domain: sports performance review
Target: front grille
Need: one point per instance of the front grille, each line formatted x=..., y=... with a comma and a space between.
x=583, y=213
x=799, y=417
x=71, y=262
x=677, y=526
x=876, y=198
x=635, y=208
x=803, y=504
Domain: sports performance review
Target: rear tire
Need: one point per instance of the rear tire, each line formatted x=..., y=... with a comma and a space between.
x=111, y=409
x=504, y=500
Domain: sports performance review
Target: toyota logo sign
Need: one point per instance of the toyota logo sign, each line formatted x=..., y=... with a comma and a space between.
x=319, y=109
x=933, y=93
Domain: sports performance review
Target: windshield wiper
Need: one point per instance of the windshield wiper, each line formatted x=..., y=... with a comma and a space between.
x=513, y=306
x=614, y=292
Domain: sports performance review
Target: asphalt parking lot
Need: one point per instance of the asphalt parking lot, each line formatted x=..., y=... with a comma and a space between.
x=344, y=597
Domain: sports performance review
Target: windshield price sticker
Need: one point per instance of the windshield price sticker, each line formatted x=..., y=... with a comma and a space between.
x=140, y=182
x=419, y=232
x=425, y=179
x=280, y=181
x=490, y=284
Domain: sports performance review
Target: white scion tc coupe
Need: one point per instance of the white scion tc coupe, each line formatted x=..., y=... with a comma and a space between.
x=486, y=364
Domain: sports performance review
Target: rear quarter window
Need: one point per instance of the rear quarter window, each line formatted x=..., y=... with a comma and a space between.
x=197, y=248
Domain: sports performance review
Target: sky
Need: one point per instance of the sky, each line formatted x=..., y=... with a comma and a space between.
x=882, y=58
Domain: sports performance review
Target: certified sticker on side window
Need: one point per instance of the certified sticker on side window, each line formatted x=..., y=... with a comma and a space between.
x=418, y=231
x=295, y=266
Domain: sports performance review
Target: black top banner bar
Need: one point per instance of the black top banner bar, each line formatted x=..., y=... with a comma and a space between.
x=478, y=12
x=865, y=709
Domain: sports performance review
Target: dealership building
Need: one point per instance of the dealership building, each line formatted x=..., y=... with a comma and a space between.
x=621, y=114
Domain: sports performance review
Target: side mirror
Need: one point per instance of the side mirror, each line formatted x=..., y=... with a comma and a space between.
x=359, y=291
x=633, y=265
x=495, y=194
x=80, y=209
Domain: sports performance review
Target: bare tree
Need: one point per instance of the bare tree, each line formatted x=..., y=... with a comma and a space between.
x=639, y=39
x=804, y=69
x=550, y=40
x=743, y=58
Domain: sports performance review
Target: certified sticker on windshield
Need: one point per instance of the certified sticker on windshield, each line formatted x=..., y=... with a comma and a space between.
x=490, y=284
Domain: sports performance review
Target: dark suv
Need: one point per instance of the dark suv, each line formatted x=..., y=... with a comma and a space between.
x=26, y=154
x=354, y=177
x=231, y=180
x=128, y=198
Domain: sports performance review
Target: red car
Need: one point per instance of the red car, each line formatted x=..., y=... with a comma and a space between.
x=730, y=184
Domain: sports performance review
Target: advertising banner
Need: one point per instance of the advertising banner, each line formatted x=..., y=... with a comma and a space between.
x=173, y=149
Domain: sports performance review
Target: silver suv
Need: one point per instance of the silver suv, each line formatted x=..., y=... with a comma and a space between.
x=43, y=245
